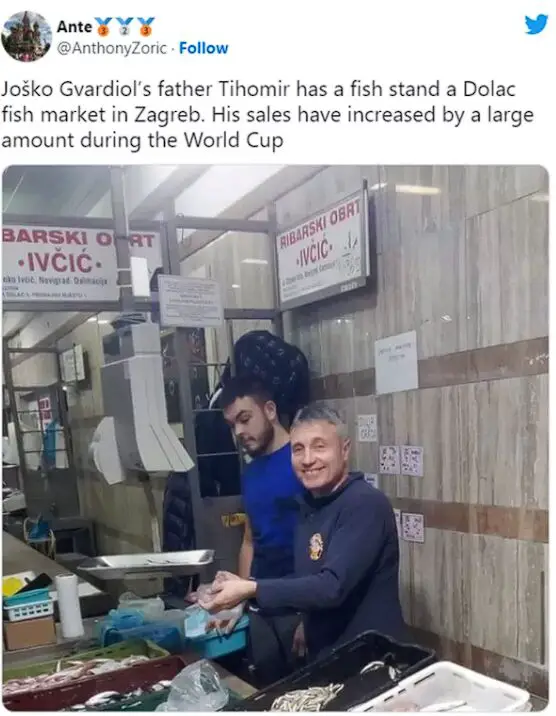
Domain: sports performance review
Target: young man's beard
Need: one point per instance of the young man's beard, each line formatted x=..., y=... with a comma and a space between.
x=264, y=442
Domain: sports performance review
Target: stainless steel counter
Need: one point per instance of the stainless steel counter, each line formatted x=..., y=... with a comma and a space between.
x=20, y=557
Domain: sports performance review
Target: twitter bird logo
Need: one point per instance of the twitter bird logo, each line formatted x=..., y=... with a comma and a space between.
x=536, y=25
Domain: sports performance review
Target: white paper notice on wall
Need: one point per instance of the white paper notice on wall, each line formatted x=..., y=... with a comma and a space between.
x=389, y=460
x=371, y=479
x=413, y=527
x=396, y=363
x=398, y=516
x=190, y=302
x=367, y=429
x=412, y=460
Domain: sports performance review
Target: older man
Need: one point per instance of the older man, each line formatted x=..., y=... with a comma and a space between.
x=345, y=578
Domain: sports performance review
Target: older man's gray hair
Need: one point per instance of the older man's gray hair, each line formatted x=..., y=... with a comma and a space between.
x=316, y=413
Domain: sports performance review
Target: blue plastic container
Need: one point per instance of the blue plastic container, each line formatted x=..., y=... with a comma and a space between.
x=120, y=620
x=213, y=645
x=167, y=637
x=35, y=595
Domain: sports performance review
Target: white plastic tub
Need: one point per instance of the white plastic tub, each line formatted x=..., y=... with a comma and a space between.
x=448, y=687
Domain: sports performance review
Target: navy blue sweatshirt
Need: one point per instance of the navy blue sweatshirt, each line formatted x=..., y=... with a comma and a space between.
x=346, y=568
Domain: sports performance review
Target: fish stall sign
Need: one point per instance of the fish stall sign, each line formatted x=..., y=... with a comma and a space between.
x=326, y=254
x=59, y=264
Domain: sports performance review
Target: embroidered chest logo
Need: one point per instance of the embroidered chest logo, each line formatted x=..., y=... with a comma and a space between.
x=316, y=547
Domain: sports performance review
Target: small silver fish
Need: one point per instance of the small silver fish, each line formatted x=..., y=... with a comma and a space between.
x=97, y=699
x=312, y=699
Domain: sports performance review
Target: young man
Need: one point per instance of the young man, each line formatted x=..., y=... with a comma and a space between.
x=346, y=549
x=270, y=489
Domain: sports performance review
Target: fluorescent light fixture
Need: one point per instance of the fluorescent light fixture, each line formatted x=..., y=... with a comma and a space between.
x=414, y=189
x=236, y=285
x=104, y=322
x=409, y=189
x=255, y=262
x=93, y=319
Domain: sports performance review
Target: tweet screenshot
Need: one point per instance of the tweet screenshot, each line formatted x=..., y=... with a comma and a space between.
x=275, y=353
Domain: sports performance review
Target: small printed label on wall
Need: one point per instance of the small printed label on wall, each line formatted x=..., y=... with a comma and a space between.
x=413, y=527
x=398, y=516
x=367, y=429
x=371, y=479
x=389, y=460
x=412, y=461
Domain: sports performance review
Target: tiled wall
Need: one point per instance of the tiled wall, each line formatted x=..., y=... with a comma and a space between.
x=463, y=260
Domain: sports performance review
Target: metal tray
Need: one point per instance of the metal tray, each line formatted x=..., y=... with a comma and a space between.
x=129, y=566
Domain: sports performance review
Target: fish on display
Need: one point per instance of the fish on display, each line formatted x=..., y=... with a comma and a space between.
x=72, y=672
x=312, y=699
x=106, y=699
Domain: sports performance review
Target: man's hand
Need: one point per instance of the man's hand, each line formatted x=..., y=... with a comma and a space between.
x=205, y=596
x=224, y=577
x=299, y=645
x=198, y=596
x=192, y=597
x=225, y=626
x=227, y=594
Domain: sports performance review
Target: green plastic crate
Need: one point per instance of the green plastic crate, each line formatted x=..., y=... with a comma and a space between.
x=136, y=647
x=149, y=702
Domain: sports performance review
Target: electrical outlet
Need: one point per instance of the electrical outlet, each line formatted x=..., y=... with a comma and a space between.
x=389, y=460
x=371, y=479
x=367, y=429
x=413, y=527
x=412, y=461
x=398, y=516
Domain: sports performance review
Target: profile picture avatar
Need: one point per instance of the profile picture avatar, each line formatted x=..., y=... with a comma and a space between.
x=26, y=36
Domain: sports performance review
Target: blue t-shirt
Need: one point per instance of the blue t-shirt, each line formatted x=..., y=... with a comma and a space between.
x=270, y=497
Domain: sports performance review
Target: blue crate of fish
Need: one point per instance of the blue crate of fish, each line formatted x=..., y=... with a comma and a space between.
x=212, y=645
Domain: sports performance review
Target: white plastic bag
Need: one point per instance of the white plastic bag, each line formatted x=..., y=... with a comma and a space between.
x=151, y=609
x=197, y=688
x=203, y=594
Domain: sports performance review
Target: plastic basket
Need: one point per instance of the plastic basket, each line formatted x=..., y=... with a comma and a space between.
x=447, y=683
x=166, y=636
x=149, y=702
x=213, y=645
x=344, y=666
x=123, y=681
x=138, y=647
x=30, y=611
x=35, y=595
